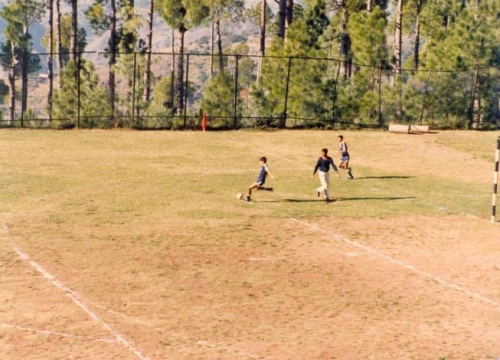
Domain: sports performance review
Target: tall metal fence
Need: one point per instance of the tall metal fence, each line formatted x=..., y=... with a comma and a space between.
x=243, y=91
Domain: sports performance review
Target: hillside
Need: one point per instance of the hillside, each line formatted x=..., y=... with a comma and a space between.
x=161, y=37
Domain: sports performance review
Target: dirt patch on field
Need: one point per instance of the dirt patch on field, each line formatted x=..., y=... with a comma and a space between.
x=325, y=289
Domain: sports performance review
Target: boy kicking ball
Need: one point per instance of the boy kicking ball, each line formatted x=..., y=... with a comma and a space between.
x=261, y=179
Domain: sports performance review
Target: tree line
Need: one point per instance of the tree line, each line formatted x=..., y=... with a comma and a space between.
x=437, y=56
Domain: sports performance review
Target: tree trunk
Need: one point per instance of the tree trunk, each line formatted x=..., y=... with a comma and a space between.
x=219, y=45
x=58, y=41
x=368, y=6
x=112, y=55
x=149, y=45
x=24, y=72
x=289, y=14
x=398, y=37
x=345, y=41
x=212, y=48
x=74, y=29
x=262, y=38
x=180, y=70
x=281, y=18
x=12, y=88
x=172, y=73
x=50, y=57
x=416, y=51
x=445, y=22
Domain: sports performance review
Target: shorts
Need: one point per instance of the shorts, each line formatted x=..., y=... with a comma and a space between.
x=344, y=158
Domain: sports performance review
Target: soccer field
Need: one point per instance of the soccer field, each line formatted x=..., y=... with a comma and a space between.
x=132, y=245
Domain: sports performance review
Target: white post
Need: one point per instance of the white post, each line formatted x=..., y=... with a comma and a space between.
x=495, y=182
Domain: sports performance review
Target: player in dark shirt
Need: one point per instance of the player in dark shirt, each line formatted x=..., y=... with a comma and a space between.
x=261, y=179
x=323, y=168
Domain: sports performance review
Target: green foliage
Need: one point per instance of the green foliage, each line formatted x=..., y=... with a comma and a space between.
x=316, y=21
x=253, y=14
x=95, y=108
x=218, y=100
x=296, y=82
x=12, y=59
x=246, y=66
x=368, y=38
x=4, y=91
x=66, y=38
x=184, y=14
x=97, y=17
x=19, y=15
x=159, y=112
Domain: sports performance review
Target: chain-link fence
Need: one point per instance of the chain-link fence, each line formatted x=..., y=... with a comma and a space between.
x=240, y=91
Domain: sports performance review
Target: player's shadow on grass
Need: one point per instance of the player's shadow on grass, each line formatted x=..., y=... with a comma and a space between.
x=385, y=177
x=378, y=198
x=333, y=200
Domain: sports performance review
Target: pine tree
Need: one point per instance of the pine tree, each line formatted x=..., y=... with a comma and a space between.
x=308, y=88
x=260, y=15
x=230, y=10
x=183, y=15
x=65, y=40
x=50, y=35
x=20, y=15
x=74, y=30
x=149, y=47
x=84, y=90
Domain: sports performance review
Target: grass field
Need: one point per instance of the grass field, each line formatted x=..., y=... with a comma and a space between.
x=126, y=245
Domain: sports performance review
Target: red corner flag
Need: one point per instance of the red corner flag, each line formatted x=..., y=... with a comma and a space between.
x=204, y=121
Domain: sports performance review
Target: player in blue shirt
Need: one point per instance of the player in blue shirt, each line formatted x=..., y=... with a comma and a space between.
x=261, y=179
x=323, y=167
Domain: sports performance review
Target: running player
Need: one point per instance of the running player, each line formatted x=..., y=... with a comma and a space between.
x=344, y=157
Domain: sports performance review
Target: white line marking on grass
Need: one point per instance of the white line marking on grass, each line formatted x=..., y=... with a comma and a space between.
x=54, y=333
x=71, y=294
x=398, y=262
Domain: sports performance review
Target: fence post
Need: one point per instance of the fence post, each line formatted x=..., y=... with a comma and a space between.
x=133, y=89
x=186, y=90
x=283, y=124
x=235, y=117
x=380, y=95
x=425, y=96
x=473, y=99
x=335, y=92
x=78, y=90
x=495, y=182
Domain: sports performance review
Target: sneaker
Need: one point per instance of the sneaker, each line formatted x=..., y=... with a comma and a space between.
x=318, y=194
x=270, y=189
x=349, y=173
x=247, y=198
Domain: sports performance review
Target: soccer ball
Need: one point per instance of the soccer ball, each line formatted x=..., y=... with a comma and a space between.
x=239, y=196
